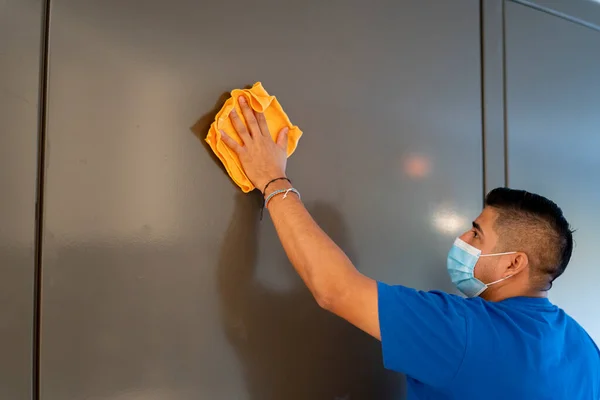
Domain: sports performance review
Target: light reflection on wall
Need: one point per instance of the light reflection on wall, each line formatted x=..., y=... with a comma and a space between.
x=416, y=166
x=449, y=222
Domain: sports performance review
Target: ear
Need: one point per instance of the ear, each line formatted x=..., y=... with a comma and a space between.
x=519, y=262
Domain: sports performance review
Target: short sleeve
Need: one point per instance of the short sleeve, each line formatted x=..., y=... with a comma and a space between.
x=423, y=334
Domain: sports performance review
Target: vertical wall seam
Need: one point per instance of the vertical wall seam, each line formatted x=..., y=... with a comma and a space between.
x=39, y=211
x=493, y=94
x=504, y=94
x=483, y=109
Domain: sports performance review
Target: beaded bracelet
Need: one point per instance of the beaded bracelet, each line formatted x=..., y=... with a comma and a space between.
x=285, y=192
x=280, y=191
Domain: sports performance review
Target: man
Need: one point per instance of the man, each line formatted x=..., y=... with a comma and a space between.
x=506, y=341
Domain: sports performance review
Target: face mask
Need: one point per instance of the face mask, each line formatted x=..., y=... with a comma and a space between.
x=461, y=265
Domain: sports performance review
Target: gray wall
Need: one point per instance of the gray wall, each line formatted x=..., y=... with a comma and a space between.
x=553, y=124
x=158, y=278
x=159, y=282
x=19, y=75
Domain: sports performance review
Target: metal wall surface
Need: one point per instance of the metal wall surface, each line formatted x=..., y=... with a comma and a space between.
x=159, y=282
x=553, y=93
x=20, y=36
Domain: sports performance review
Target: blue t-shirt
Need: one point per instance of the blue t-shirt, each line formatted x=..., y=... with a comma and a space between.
x=455, y=348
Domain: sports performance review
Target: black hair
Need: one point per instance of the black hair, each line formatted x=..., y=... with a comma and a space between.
x=535, y=225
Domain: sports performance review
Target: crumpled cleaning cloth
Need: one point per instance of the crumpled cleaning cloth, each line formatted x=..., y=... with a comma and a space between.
x=277, y=119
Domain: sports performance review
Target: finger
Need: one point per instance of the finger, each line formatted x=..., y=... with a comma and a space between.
x=282, y=138
x=262, y=123
x=249, y=116
x=232, y=144
x=239, y=126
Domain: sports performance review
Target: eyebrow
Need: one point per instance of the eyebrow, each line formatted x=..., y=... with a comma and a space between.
x=478, y=228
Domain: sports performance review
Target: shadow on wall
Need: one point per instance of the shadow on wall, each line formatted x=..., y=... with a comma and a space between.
x=202, y=125
x=290, y=348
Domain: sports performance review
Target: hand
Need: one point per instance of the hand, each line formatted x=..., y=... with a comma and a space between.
x=262, y=159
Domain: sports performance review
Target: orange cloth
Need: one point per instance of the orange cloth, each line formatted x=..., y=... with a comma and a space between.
x=277, y=119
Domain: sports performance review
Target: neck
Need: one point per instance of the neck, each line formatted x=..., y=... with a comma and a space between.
x=508, y=291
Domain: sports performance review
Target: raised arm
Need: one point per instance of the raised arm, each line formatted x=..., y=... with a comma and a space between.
x=330, y=276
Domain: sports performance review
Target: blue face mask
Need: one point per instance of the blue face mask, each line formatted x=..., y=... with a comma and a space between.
x=462, y=259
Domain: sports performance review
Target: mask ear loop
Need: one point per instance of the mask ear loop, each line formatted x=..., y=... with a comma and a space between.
x=498, y=254
x=499, y=280
x=502, y=279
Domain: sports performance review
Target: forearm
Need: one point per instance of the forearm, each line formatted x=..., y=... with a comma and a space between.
x=321, y=264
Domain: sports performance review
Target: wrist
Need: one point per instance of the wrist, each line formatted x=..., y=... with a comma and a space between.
x=269, y=179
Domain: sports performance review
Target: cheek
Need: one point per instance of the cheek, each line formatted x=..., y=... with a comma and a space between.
x=482, y=269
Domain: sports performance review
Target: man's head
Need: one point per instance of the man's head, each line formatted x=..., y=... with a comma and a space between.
x=528, y=224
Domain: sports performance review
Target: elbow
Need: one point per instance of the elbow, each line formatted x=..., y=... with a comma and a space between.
x=324, y=301
x=332, y=296
x=328, y=299
x=333, y=292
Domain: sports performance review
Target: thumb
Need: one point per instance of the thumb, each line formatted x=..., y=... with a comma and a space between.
x=282, y=138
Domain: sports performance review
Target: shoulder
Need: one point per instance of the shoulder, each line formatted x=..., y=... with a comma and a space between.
x=577, y=334
x=400, y=297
